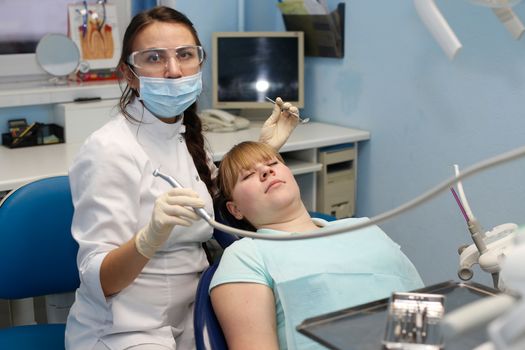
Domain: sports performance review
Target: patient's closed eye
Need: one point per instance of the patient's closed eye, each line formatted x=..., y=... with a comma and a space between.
x=247, y=174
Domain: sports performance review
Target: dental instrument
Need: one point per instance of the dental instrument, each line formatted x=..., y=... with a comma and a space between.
x=200, y=211
x=301, y=120
x=414, y=321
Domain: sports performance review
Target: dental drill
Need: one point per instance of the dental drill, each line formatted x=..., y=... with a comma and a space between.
x=200, y=211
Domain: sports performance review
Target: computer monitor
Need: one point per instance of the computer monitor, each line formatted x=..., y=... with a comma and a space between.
x=249, y=66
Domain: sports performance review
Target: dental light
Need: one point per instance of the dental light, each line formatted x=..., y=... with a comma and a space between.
x=445, y=36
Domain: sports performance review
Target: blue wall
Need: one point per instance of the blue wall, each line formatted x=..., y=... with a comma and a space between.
x=424, y=112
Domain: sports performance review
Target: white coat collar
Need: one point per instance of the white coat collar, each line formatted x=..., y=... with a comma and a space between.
x=151, y=124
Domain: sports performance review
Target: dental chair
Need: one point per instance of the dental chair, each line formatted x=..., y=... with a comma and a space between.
x=37, y=256
x=208, y=332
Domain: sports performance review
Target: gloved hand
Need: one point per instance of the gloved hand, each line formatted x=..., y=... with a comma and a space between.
x=278, y=127
x=172, y=208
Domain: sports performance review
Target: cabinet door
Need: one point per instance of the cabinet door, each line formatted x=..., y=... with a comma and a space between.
x=80, y=119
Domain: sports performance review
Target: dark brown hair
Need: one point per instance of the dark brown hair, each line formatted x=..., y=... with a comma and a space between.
x=193, y=134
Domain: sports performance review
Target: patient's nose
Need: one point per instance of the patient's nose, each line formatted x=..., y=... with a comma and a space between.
x=265, y=172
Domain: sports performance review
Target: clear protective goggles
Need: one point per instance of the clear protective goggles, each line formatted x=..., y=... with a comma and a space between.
x=156, y=60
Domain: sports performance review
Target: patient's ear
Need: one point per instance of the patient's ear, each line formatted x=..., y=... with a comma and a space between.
x=232, y=208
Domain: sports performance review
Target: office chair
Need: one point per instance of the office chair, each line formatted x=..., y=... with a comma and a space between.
x=37, y=255
x=208, y=332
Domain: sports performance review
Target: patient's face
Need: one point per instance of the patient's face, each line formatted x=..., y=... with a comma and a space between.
x=263, y=192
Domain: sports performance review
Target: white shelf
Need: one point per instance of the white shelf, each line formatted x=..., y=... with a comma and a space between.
x=299, y=167
x=305, y=136
x=44, y=92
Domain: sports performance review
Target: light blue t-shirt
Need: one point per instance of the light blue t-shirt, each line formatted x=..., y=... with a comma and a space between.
x=320, y=275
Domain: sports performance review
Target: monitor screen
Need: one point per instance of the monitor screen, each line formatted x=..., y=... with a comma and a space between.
x=249, y=66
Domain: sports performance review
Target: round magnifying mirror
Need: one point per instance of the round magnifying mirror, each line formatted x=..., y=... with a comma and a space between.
x=57, y=54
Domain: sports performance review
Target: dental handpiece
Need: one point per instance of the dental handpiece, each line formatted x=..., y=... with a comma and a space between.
x=301, y=120
x=200, y=211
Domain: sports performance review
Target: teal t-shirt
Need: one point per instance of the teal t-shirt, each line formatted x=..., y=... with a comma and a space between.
x=320, y=275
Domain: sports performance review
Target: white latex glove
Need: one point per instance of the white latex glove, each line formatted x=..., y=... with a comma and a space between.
x=172, y=208
x=278, y=127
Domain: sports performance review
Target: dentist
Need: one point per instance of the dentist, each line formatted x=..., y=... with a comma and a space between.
x=140, y=244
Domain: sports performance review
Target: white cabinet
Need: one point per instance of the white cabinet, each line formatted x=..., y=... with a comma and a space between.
x=80, y=119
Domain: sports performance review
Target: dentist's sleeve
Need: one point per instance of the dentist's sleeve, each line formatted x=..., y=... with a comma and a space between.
x=105, y=184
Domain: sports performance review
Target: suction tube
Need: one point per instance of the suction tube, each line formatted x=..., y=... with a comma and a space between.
x=328, y=231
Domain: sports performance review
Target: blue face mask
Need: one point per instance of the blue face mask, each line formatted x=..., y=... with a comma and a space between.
x=167, y=98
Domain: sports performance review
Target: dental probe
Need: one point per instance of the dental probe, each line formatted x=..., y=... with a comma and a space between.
x=200, y=211
x=301, y=120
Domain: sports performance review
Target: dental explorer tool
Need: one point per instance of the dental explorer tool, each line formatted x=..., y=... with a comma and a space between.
x=301, y=120
x=200, y=211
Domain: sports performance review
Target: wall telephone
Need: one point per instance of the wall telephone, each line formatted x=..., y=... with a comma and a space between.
x=217, y=120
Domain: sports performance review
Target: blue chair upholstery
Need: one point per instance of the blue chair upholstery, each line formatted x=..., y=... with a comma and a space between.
x=208, y=332
x=37, y=255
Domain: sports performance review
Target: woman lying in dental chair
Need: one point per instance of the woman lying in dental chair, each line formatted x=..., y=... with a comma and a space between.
x=263, y=289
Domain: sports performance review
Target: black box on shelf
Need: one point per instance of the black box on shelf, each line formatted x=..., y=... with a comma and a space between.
x=36, y=134
x=324, y=35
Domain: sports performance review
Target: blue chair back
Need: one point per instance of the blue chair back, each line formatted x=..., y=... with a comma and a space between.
x=37, y=255
x=208, y=332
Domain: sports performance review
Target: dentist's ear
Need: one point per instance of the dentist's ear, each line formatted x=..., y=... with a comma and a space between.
x=234, y=210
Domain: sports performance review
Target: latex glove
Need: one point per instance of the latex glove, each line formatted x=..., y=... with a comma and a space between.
x=172, y=208
x=278, y=127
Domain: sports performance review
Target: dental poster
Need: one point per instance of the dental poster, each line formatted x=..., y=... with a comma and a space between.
x=93, y=27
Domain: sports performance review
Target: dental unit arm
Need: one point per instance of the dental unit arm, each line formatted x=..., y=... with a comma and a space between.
x=488, y=248
x=337, y=229
x=506, y=330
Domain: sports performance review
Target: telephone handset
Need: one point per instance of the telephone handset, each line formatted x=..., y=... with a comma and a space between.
x=217, y=120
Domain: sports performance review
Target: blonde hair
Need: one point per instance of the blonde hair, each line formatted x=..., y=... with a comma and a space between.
x=242, y=157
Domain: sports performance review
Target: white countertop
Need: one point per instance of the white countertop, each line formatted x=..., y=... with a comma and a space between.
x=22, y=165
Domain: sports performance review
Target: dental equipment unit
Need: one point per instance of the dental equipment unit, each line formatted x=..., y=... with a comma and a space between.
x=506, y=330
x=489, y=248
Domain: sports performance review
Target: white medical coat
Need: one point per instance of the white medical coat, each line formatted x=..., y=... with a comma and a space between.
x=113, y=192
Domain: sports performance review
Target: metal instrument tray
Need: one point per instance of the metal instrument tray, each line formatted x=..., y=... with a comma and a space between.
x=363, y=327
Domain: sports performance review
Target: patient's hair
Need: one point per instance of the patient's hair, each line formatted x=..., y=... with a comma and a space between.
x=241, y=157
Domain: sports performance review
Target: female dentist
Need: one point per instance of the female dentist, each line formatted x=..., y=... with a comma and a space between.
x=140, y=244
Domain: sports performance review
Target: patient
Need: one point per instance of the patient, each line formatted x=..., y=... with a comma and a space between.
x=263, y=289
